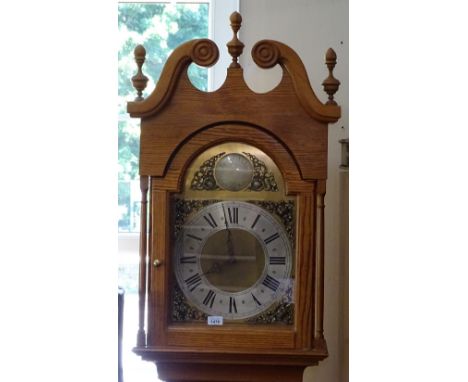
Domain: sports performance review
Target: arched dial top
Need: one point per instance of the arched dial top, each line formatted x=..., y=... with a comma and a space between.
x=234, y=169
x=233, y=259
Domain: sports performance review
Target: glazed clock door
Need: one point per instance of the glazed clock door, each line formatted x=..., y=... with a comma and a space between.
x=233, y=259
x=233, y=240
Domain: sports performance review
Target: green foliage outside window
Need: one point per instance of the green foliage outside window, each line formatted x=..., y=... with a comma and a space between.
x=160, y=28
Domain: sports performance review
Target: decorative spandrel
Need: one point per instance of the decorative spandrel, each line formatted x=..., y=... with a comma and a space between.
x=182, y=311
x=263, y=179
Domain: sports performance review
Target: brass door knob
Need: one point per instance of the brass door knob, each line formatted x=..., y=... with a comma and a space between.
x=157, y=263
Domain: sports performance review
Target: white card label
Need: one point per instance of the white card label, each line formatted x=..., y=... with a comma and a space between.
x=215, y=320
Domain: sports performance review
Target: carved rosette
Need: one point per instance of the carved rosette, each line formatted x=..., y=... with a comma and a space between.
x=204, y=53
x=265, y=54
x=262, y=180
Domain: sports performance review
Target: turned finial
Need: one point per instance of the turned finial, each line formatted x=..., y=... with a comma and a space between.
x=235, y=46
x=139, y=80
x=330, y=84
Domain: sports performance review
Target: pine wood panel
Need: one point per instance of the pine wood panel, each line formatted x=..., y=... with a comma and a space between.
x=232, y=337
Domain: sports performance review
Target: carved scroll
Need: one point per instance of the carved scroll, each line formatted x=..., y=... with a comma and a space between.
x=203, y=52
x=268, y=53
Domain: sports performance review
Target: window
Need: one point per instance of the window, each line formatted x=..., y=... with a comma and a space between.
x=160, y=27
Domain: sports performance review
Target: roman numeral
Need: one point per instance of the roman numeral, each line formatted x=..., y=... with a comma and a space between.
x=271, y=283
x=188, y=260
x=194, y=237
x=255, y=299
x=271, y=238
x=210, y=220
x=277, y=260
x=193, y=281
x=209, y=299
x=232, y=305
x=255, y=222
x=233, y=215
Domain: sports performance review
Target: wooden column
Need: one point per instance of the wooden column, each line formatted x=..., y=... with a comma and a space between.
x=319, y=340
x=149, y=251
x=141, y=335
x=305, y=272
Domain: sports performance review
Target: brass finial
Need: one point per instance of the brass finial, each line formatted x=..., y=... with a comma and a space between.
x=139, y=80
x=235, y=46
x=330, y=84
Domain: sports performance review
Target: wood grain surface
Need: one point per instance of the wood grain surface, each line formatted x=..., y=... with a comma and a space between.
x=289, y=124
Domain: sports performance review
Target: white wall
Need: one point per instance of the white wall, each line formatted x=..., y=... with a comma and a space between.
x=310, y=27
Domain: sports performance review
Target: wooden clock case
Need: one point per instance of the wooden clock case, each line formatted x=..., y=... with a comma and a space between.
x=178, y=122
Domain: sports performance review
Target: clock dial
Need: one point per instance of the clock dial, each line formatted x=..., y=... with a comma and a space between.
x=233, y=259
x=233, y=172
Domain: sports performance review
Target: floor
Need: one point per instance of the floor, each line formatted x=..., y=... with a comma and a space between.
x=134, y=368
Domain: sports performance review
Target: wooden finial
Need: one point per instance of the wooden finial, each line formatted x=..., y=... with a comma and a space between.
x=235, y=46
x=330, y=84
x=139, y=80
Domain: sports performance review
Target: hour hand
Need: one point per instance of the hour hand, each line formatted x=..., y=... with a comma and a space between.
x=215, y=268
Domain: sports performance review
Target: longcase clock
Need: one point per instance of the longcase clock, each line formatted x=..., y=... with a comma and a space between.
x=232, y=218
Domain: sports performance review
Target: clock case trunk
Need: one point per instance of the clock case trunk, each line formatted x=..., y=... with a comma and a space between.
x=178, y=122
